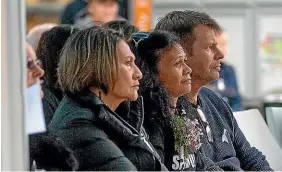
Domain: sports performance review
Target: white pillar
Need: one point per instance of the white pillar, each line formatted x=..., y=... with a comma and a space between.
x=14, y=141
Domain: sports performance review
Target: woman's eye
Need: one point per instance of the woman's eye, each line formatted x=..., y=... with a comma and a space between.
x=128, y=62
x=210, y=47
x=178, y=64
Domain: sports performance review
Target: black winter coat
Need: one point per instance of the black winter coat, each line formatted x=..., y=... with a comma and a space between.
x=101, y=139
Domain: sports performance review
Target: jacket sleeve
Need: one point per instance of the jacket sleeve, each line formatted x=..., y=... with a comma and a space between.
x=156, y=138
x=50, y=104
x=251, y=159
x=206, y=164
x=95, y=151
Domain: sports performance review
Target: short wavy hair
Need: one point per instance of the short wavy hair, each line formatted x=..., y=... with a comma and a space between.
x=183, y=23
x=89, y=59
x=49, y=48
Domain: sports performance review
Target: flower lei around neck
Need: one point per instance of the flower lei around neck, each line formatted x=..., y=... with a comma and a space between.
x=187, y=132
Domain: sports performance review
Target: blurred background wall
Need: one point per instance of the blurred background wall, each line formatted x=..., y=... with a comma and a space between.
x=254, y=28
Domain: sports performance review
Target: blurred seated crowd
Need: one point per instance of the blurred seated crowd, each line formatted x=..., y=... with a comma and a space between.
x=117, y=99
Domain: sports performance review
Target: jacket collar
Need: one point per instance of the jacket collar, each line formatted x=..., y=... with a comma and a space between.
x=56, y=91
x=132, y=112
x=89, y=100
x=133, y=136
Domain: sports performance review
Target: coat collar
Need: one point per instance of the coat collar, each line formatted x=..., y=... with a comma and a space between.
x=103, y=113
x=106, y=118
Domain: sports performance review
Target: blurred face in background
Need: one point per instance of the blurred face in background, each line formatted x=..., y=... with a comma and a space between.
x=103, y=10
x=34, y=71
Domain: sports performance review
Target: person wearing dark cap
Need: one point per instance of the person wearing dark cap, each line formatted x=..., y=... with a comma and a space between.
x=71, y=10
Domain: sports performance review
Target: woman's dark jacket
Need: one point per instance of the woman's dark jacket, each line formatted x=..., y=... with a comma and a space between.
x=50, y=101
x=101, y=139
x=161, y=136
x=49, y=153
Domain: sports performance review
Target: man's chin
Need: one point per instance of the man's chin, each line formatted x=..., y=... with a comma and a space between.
x=213, y=77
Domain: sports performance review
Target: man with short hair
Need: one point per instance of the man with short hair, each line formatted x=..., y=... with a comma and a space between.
x=224, y=142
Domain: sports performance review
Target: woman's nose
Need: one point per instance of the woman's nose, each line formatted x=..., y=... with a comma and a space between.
x=138, y=73
x=187, y=69
x=38, y=72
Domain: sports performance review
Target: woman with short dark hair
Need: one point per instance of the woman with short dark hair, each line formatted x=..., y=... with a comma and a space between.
x=97, y=72
x=48, y=52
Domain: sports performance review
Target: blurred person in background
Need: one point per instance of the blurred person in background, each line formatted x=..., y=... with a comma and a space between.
x=34, y=71
x=69, y=14
x=122, y=26
x=224, y=143
x=226, y=86
x=97, y=72
x=74, y=9
x=34, y=34
x=98, y=12
x=48, y=52
x=46, y=152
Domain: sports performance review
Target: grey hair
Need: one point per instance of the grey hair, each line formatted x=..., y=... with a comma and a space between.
x=34, y=35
